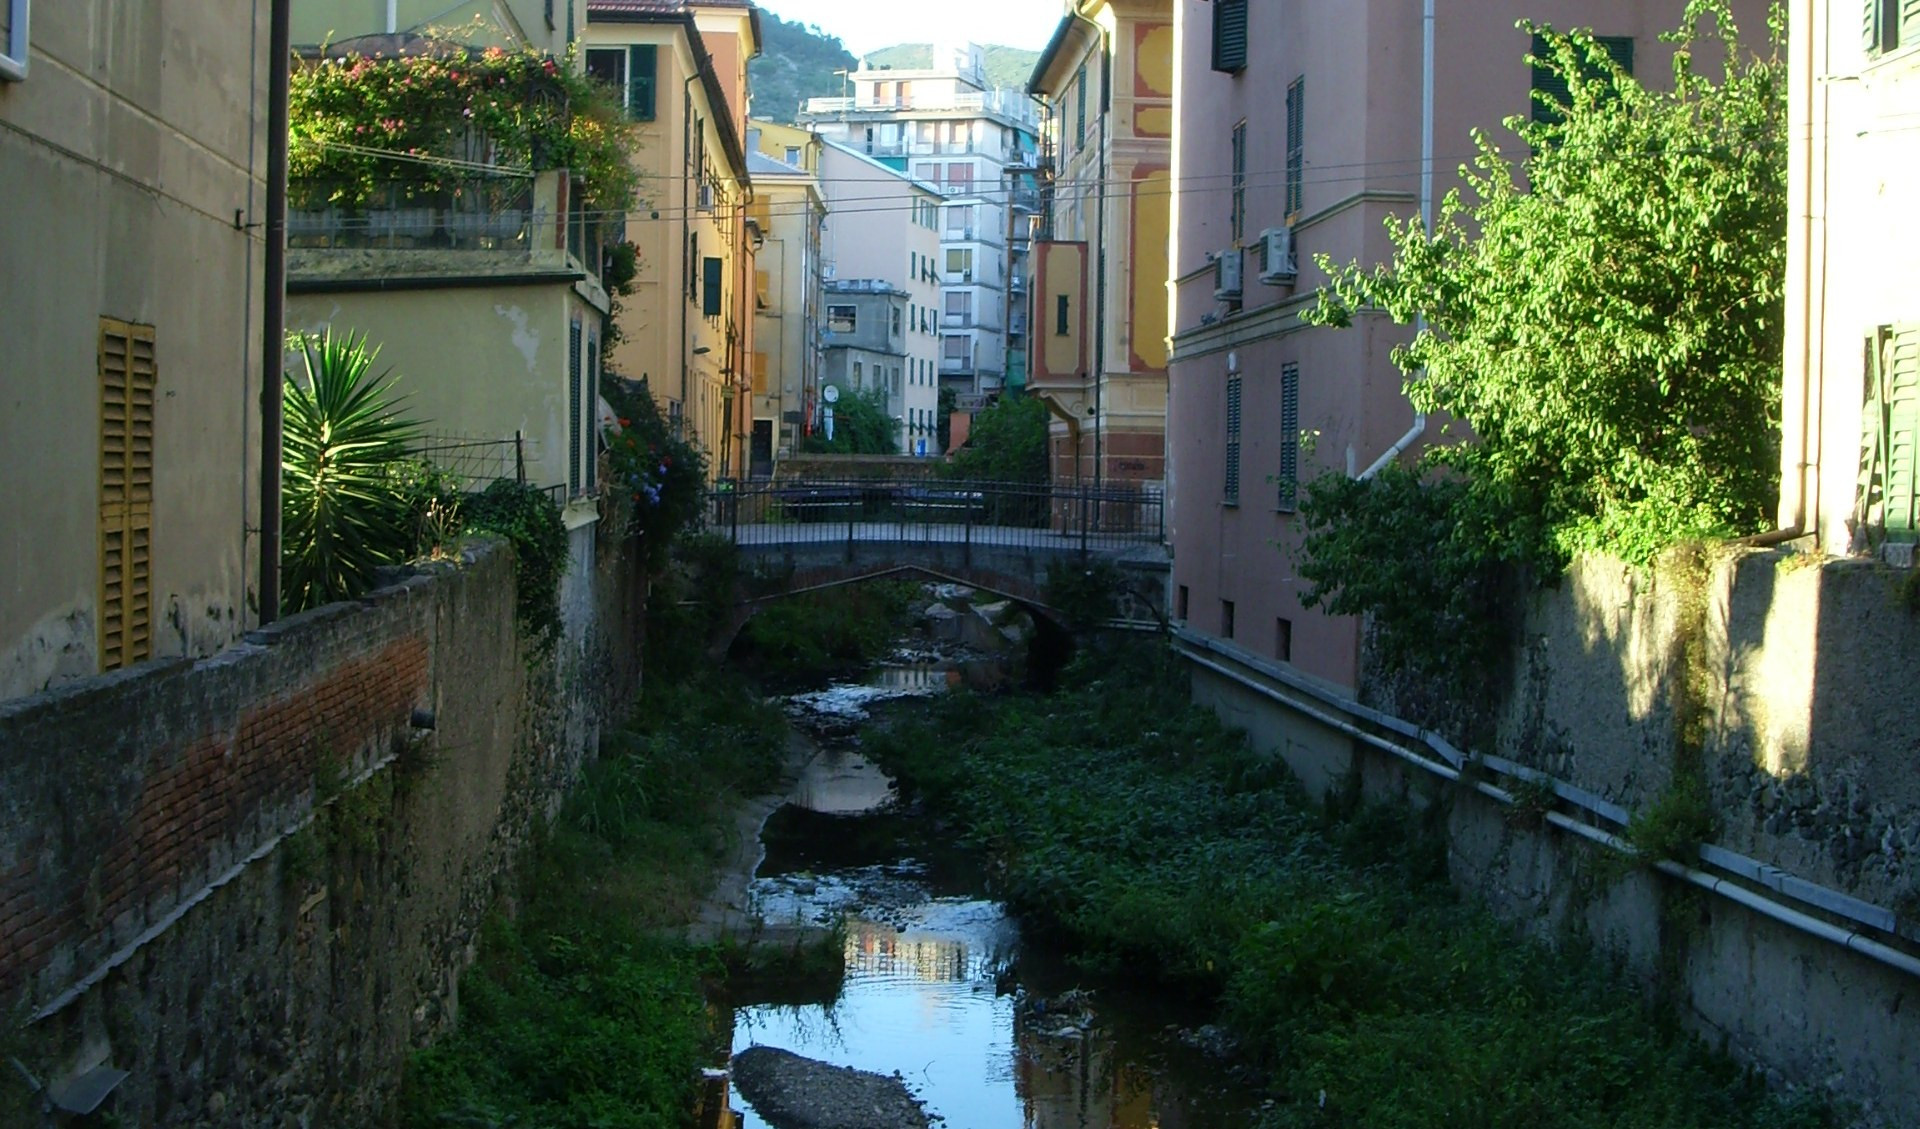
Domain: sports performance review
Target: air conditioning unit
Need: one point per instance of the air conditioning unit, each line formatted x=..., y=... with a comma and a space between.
x=1226, y=275
x=1277, y=267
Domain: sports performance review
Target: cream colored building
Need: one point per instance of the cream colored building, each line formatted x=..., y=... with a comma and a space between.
x=544, y=25
x=496, y=338
x=1099, y=315
x=884, y=225
x=787, y=212
x=131, y=262
x=1851, y=394
x=688, y=326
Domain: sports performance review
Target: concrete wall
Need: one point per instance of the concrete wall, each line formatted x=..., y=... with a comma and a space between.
x=167, y=906
x=1799, y=667
x=125, y=157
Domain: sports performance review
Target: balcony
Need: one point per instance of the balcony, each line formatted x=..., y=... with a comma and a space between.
x=482, y=227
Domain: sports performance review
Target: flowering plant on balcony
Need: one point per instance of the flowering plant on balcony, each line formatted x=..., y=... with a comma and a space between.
x=658, y=475
x=437, y=120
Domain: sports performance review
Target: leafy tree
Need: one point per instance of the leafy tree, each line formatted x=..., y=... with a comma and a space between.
x=1605, y=315
x=1008, y=443
x=343, y=512
x=861, y=426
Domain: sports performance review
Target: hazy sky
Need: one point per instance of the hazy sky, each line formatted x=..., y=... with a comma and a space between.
x=867, y=25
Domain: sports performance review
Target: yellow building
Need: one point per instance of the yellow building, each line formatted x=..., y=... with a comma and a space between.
x=795, y=146
x=1099, y=315
x=131, y=260
x=687, y=328
x=787, y=211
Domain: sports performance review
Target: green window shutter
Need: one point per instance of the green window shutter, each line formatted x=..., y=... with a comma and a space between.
x=710, y=283
x=640, y=73
x=1553, y=85
x=1229, y=35
x=1908, y=33
x=1296, y=144
x=573, y=408
x=1080, y=98
x=1231, y=491
x=1902, y=383
x=1289, y=438
x=1889, y=489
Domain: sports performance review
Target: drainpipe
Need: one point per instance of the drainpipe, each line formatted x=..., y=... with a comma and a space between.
x=1807, y=120
x=393, y=16
x=1419, y=427
x=13, y=64
x=273, y=324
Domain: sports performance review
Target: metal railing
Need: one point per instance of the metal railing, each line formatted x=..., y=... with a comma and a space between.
x=487, y=213
x=938, y=510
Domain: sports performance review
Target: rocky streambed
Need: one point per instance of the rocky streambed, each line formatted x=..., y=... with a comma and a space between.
x=944, y=1013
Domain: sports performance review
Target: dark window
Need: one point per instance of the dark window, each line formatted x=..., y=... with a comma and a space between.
x=841, y=319
x=608, y=65
x=1551, y=94
x=693, y=259
x=1232, y=489
x=1180, y=603
x=1229, y=35
x=1283, y=640
x=640, y=73
x=1239, y=201
x=1296, y=144
x=1061, y=306
x=710, y=283
x=1289, y=438
x=1226, y=619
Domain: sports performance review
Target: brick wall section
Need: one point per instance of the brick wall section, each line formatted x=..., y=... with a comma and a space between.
x=288, y=990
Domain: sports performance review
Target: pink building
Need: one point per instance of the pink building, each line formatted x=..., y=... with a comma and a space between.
x=1302, y=127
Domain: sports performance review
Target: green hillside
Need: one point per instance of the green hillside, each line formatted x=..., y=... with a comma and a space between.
x=796, y=63
x=1006, y=66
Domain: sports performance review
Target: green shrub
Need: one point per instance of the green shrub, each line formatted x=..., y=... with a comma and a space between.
x=344, y=439
x=1131, y=826
x=531, y=523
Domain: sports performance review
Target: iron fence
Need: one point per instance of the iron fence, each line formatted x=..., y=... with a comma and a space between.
x=484, y=213
x=1016, y=514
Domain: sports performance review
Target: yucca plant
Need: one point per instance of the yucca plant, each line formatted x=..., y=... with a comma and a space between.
x=341, y=516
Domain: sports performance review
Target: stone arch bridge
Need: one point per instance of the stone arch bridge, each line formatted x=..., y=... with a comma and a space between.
x=1001, y=538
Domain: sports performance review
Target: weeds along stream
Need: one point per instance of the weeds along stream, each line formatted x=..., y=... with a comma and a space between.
x=1090, y=907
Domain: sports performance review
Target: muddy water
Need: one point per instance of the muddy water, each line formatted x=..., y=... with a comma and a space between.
x=939, y=986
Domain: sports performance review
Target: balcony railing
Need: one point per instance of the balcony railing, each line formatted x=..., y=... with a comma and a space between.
x=934, y=510
x=493, y=213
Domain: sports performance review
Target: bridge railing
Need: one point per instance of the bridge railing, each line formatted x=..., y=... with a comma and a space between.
x=1013, y=514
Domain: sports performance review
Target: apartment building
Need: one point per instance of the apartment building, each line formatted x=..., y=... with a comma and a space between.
x=132, y=259
x=943, y=126
x=884, y=225
x=1099, y=299
x=1851, y=390
x=789, y=212
x=687, y=329
x=1301, y=129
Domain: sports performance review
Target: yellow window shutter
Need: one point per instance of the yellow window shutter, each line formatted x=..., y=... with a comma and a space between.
x=760, y=374
x=128, y=373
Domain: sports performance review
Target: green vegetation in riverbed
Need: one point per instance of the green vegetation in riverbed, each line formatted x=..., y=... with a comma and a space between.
x=581, y=1010
x=1141, y=832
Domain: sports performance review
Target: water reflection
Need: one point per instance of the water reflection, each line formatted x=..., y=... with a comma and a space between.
x=931, y=991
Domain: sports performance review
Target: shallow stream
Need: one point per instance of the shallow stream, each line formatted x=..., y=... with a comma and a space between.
x=989, y=1031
